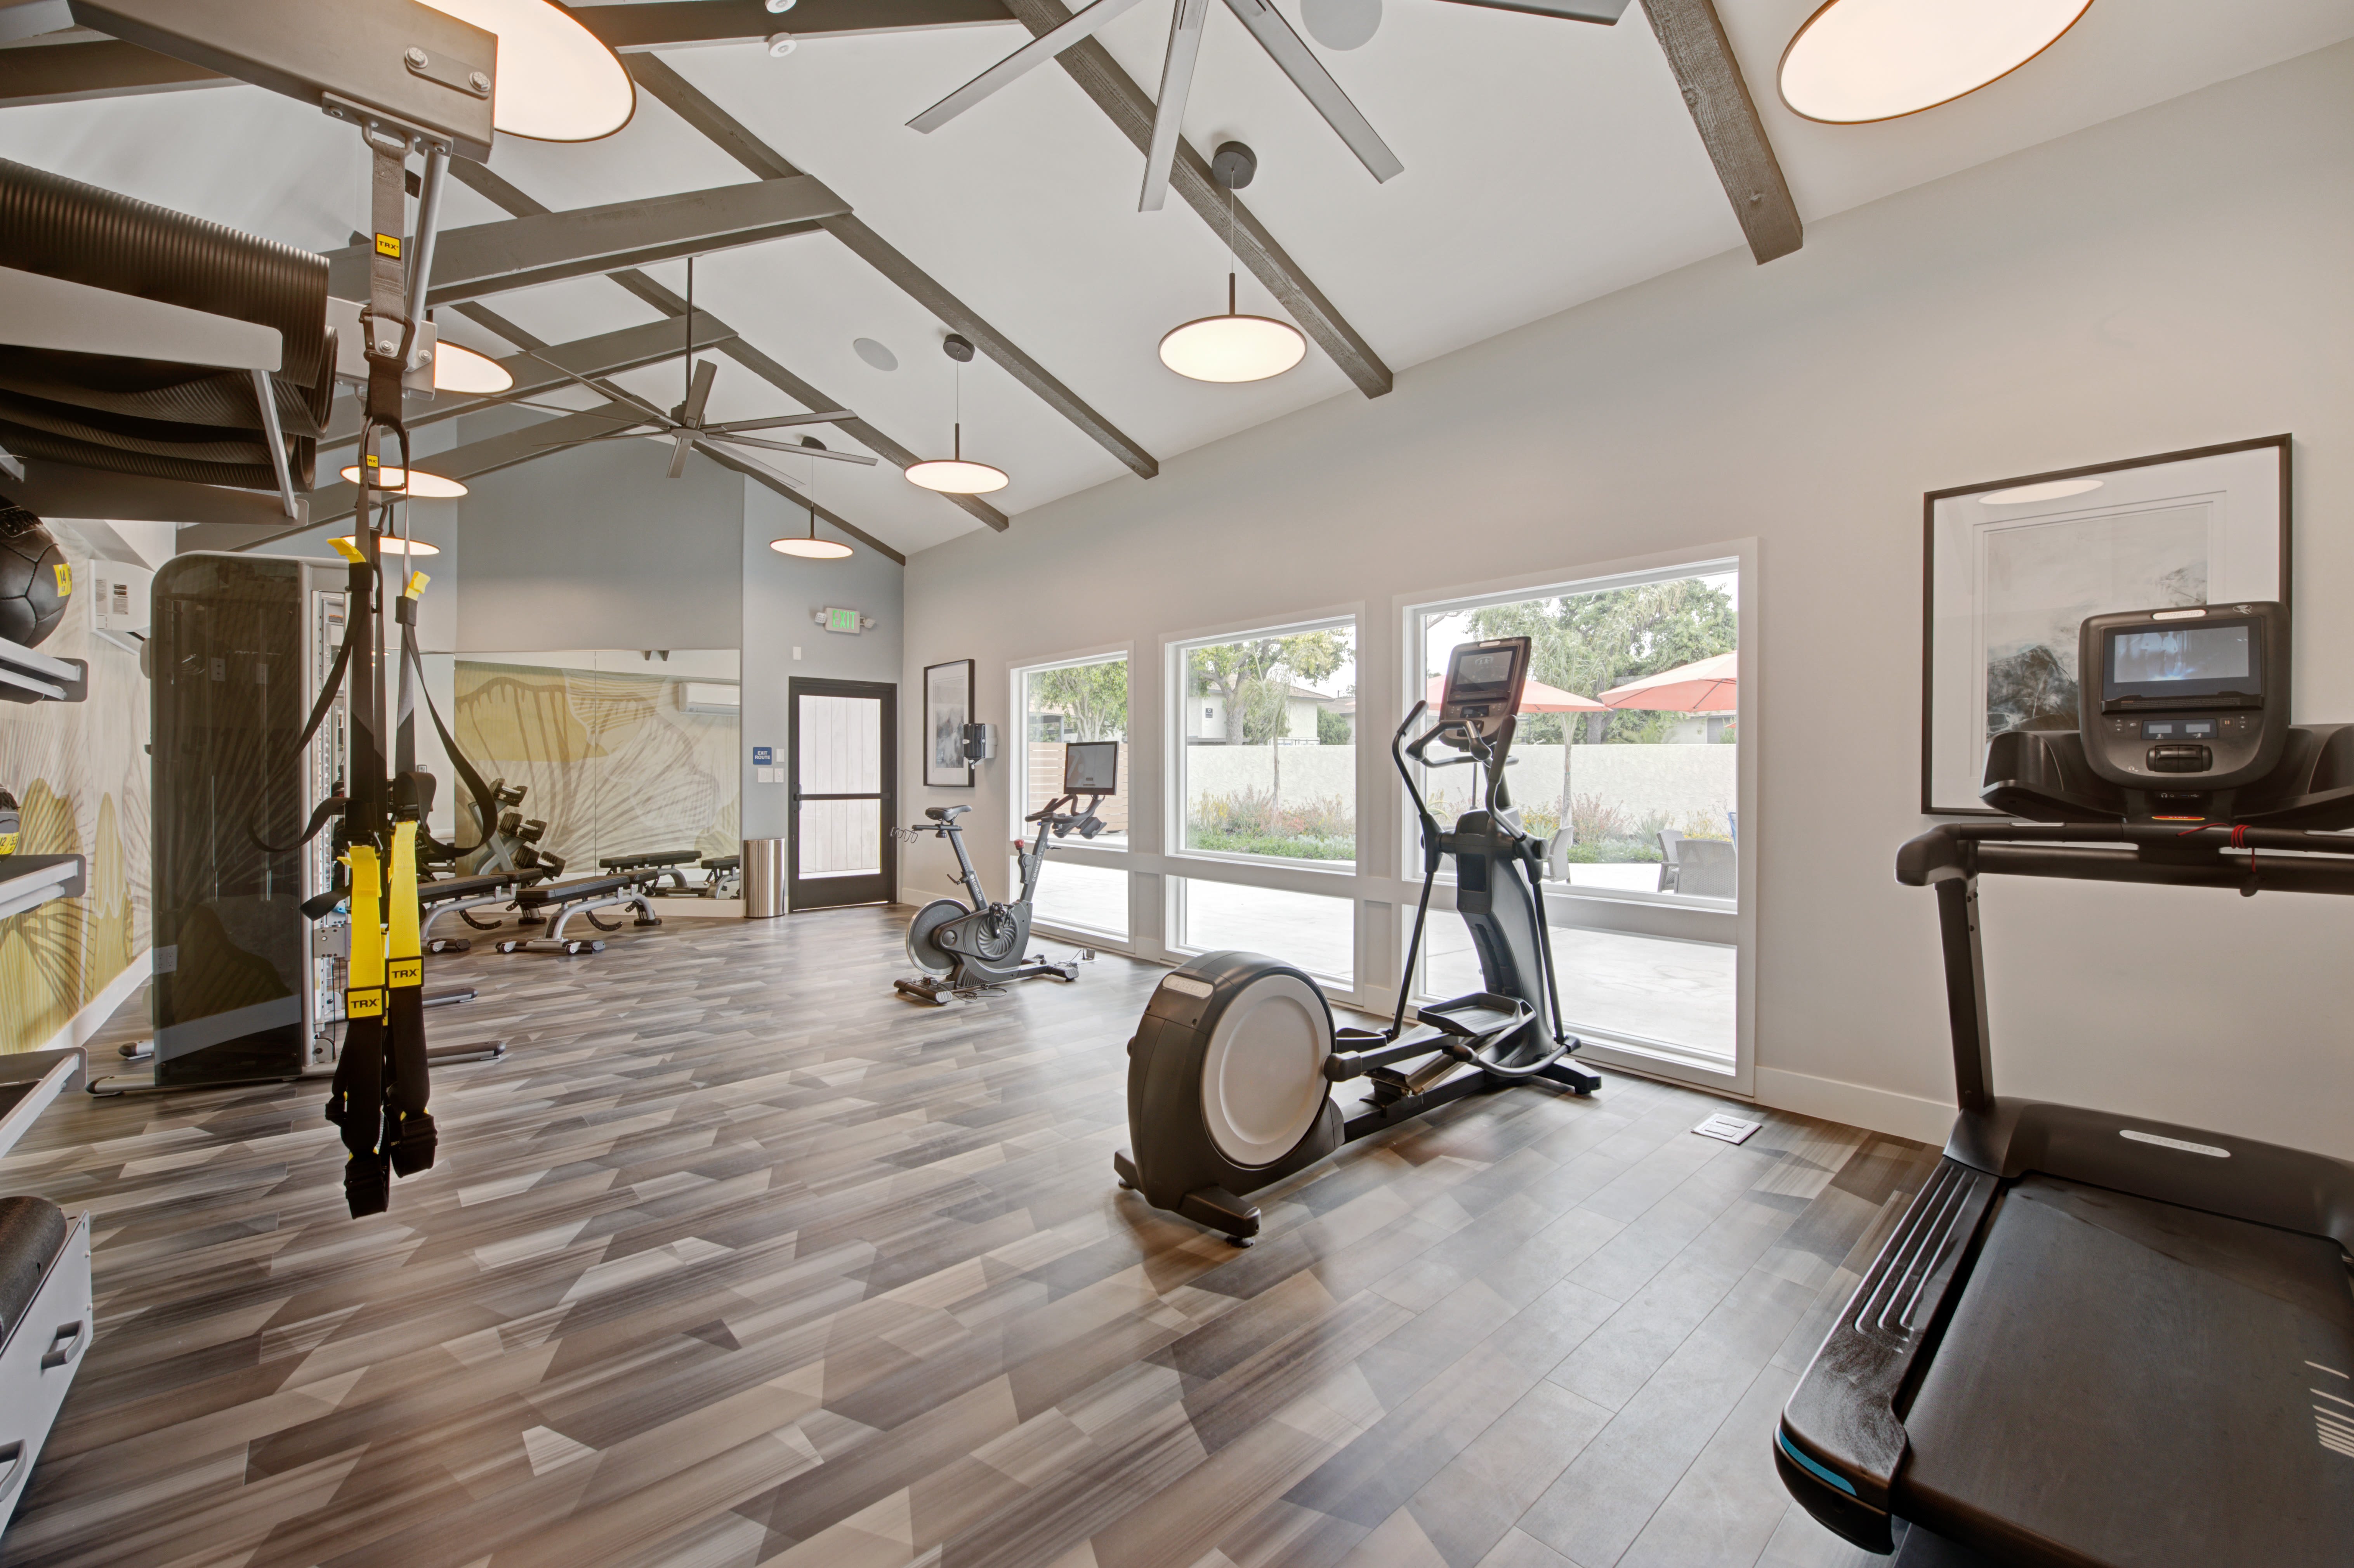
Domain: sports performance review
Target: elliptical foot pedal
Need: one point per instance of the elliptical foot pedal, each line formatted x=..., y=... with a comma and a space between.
x=1215, y=1208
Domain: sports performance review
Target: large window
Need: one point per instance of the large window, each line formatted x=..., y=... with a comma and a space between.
x=1319, y=934
x=1627, y=758
x=1266, y=757
x=1084, y=699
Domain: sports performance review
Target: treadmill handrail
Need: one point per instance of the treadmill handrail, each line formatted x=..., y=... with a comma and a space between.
x=2192, y=857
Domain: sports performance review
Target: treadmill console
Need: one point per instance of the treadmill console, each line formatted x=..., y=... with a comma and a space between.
x=1484, y=681
x=2184, y=701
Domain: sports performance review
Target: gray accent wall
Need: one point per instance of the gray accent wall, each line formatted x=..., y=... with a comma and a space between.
x=781, y=593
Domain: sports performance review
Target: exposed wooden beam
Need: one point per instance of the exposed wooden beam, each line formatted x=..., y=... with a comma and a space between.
x=606, y=353
x=667, y=23
x=1117, y=94
x=1695, y=42
x=101, y=67
x=732, y=136
x=548, y=247
x=494, y=188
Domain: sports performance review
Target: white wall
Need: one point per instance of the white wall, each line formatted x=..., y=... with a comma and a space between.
x=2167, y=280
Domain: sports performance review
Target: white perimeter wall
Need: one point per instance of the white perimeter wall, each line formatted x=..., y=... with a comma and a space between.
x=2169, y=280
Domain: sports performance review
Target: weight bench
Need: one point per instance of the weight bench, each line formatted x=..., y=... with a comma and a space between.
x=584, y=896
x=668, y=865
x=456, y=896
x=726, y=876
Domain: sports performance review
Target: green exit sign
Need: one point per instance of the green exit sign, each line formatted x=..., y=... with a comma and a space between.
x=842, y=620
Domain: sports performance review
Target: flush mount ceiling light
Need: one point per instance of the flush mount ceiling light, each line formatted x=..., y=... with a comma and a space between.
x=954, y=475
x=556, y=82
x=1233, y=347
x=2050, y=489
x=416, y=485
x=1861, y=61
x=457, y=369
x=393, y=544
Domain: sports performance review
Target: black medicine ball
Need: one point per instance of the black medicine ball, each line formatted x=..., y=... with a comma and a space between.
x=35, y=581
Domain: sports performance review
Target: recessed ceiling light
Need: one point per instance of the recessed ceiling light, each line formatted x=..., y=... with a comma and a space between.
x=457, y=369
x=2049, y=490
x=418, y=485
x=1860, y=60
x=557, y=81
x=393, y=544
x=778, y=7
x=873, y=354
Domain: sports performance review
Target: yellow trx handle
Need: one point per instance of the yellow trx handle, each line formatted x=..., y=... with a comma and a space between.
x=363, y=992
x=404, y=965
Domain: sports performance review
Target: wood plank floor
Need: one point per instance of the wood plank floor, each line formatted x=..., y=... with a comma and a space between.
x=739, y=1258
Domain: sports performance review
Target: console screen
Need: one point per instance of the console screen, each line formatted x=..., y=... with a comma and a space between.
x=1091, y=768
x=2179, y=653
x=1484, y=669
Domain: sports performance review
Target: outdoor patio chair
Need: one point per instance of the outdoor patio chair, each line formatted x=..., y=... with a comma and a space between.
x=1706, y=869
x=1668, y=840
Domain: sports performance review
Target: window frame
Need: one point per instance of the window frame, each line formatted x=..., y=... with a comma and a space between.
x=1014, y=736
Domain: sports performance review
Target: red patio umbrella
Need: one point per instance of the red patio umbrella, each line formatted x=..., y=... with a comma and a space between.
x=1703, y=686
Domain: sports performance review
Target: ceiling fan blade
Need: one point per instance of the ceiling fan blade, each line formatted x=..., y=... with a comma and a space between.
x=1176, y=83
x=860, y=458
x=1021, y=62
x=1316, y=84
x=680, y=445
x=1604, y=12
x=634, y=432
x=622, y=393
x=707, y=371
x=826, y=416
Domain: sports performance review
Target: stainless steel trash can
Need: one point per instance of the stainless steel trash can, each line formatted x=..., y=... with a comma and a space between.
x=764, y=878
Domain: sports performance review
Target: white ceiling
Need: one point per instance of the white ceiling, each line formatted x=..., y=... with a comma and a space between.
x=1546, y=163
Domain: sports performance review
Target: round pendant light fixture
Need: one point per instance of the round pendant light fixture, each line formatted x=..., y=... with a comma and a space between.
x=394, y=544
x=416, y=485
x=1233, y=347
x=809, y=547
x=457, y=369
x=557, y=81
x=1855, y=61
x=955, y=475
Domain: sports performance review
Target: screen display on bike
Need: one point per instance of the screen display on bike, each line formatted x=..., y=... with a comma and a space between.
x=1091, y=768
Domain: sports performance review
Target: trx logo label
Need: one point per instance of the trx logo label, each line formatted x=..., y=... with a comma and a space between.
x=406, y=971
x=364, y=1004
x=388, y=244
x=65, y=579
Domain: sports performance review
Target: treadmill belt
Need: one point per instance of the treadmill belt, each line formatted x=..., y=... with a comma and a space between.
x=2128, y=1382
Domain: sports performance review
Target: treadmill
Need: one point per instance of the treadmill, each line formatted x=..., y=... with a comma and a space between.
x=2095, y=1339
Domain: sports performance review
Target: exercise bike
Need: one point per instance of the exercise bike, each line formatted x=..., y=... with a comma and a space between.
x=1232, y=1068
x=966, y=949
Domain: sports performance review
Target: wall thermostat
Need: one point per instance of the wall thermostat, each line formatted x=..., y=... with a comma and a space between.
x=848, y=621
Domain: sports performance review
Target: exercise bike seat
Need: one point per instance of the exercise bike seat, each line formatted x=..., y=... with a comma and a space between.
x=945, y=813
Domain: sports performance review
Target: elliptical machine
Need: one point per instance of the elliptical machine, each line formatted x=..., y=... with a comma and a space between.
x=965, y=949
x=1232, y=1068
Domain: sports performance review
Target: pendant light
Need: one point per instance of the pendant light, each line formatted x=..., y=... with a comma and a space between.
x=457, y=369
x=955, y=475
x=556, y=80
x=1233, y=347
x=416, y=485
x=1861, y=61
x=809, y=547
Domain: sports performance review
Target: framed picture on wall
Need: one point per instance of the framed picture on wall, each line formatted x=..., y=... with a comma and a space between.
x=948, y=709
x=2011, y=568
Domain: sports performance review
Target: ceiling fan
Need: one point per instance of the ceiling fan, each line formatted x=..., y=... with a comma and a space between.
x=683, y=424
x=1283, y=46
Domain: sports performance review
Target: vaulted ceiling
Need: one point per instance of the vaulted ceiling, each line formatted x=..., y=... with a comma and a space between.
x=1547, y=162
